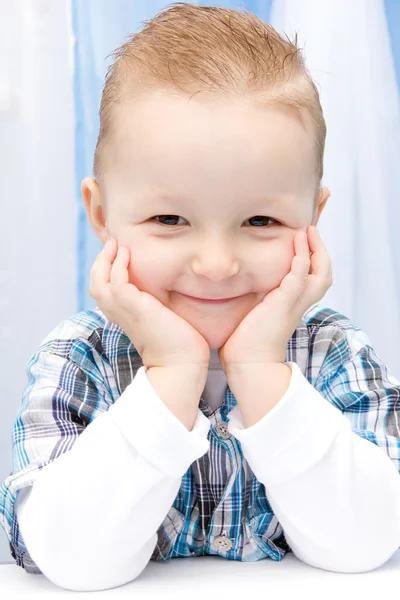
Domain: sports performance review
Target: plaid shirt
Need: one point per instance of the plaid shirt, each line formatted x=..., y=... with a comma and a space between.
x=89, y=361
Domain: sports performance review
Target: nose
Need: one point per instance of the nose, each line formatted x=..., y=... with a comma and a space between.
x=215, y=261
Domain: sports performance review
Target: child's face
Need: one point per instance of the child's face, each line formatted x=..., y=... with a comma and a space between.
x=214, y=166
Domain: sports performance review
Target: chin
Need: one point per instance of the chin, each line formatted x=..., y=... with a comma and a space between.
x=215, y=335
x=217, y=326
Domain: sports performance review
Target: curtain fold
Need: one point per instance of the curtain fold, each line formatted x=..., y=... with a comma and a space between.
x=348, y=52
x=98, y=28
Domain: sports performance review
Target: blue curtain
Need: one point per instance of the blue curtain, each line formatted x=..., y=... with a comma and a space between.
x=392, y=9
x=100, y=26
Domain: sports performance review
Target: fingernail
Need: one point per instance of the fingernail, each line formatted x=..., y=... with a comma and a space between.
x=108, y=244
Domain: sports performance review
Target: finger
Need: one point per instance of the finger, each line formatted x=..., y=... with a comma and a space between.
x=119, y=272
x=101, y=269
x=293, y=283
x=301, y=259
x=321, y=264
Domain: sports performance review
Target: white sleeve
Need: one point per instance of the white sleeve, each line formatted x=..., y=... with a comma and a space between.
x=90, y=520
x=336, y=495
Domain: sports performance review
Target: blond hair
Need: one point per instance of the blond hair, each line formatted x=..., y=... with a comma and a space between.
x=216, y=50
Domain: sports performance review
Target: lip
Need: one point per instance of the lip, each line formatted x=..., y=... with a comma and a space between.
x=202, y=301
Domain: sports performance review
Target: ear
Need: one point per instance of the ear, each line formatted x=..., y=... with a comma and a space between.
x=91, y=195
x=323, y=197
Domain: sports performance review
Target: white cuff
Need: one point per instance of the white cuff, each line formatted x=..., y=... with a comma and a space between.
x=156, y=433
x=293, y=435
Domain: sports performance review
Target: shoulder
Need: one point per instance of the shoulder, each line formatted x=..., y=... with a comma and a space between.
x=329, y=320
x=87, y=339
x=333, y=339
x=81, y=325
x=322, y=316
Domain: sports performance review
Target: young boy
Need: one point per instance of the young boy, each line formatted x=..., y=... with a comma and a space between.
x=208, y=404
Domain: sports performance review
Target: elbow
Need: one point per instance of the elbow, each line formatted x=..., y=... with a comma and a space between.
x=366, y=555
x=355, y=561
x=79, y=576
x=71, y=564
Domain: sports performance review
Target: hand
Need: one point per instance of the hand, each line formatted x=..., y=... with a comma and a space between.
x=263, y=335
x=161, y=337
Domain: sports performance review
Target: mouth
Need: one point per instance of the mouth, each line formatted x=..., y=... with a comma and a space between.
x=206, y=301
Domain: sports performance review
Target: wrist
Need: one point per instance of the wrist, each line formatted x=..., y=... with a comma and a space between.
x=239, y=369
x=195, y=373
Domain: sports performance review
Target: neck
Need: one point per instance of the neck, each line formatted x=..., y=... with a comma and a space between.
x=214, y=359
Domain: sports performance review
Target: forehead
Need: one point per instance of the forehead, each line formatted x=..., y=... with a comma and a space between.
x=213, y=140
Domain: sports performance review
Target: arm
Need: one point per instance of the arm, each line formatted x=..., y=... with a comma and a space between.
x=91, y=517
x=336, y=494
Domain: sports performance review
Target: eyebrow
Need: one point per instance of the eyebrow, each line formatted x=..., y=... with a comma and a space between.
x=166, y=197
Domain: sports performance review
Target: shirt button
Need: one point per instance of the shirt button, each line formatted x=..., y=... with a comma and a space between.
x=221, y=542
x=222, y=430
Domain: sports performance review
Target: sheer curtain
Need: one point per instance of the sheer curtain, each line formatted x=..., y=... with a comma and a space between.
x=98, y=27
x=347, y=49
x=37, y=194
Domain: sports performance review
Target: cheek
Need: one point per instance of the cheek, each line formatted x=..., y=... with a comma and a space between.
x=274, y=265
x=154, y=273
x=150, y=275
x=153, y=267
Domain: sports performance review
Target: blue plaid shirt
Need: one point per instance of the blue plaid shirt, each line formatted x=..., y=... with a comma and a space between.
x=89, y=361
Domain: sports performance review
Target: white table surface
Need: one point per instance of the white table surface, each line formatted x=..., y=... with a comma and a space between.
x=213, y=577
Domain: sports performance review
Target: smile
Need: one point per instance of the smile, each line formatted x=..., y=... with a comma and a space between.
x=203, y=301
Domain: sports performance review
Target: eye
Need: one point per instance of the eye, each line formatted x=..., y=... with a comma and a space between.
x=168, y=217
x=260, y=218
x=257, y=218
